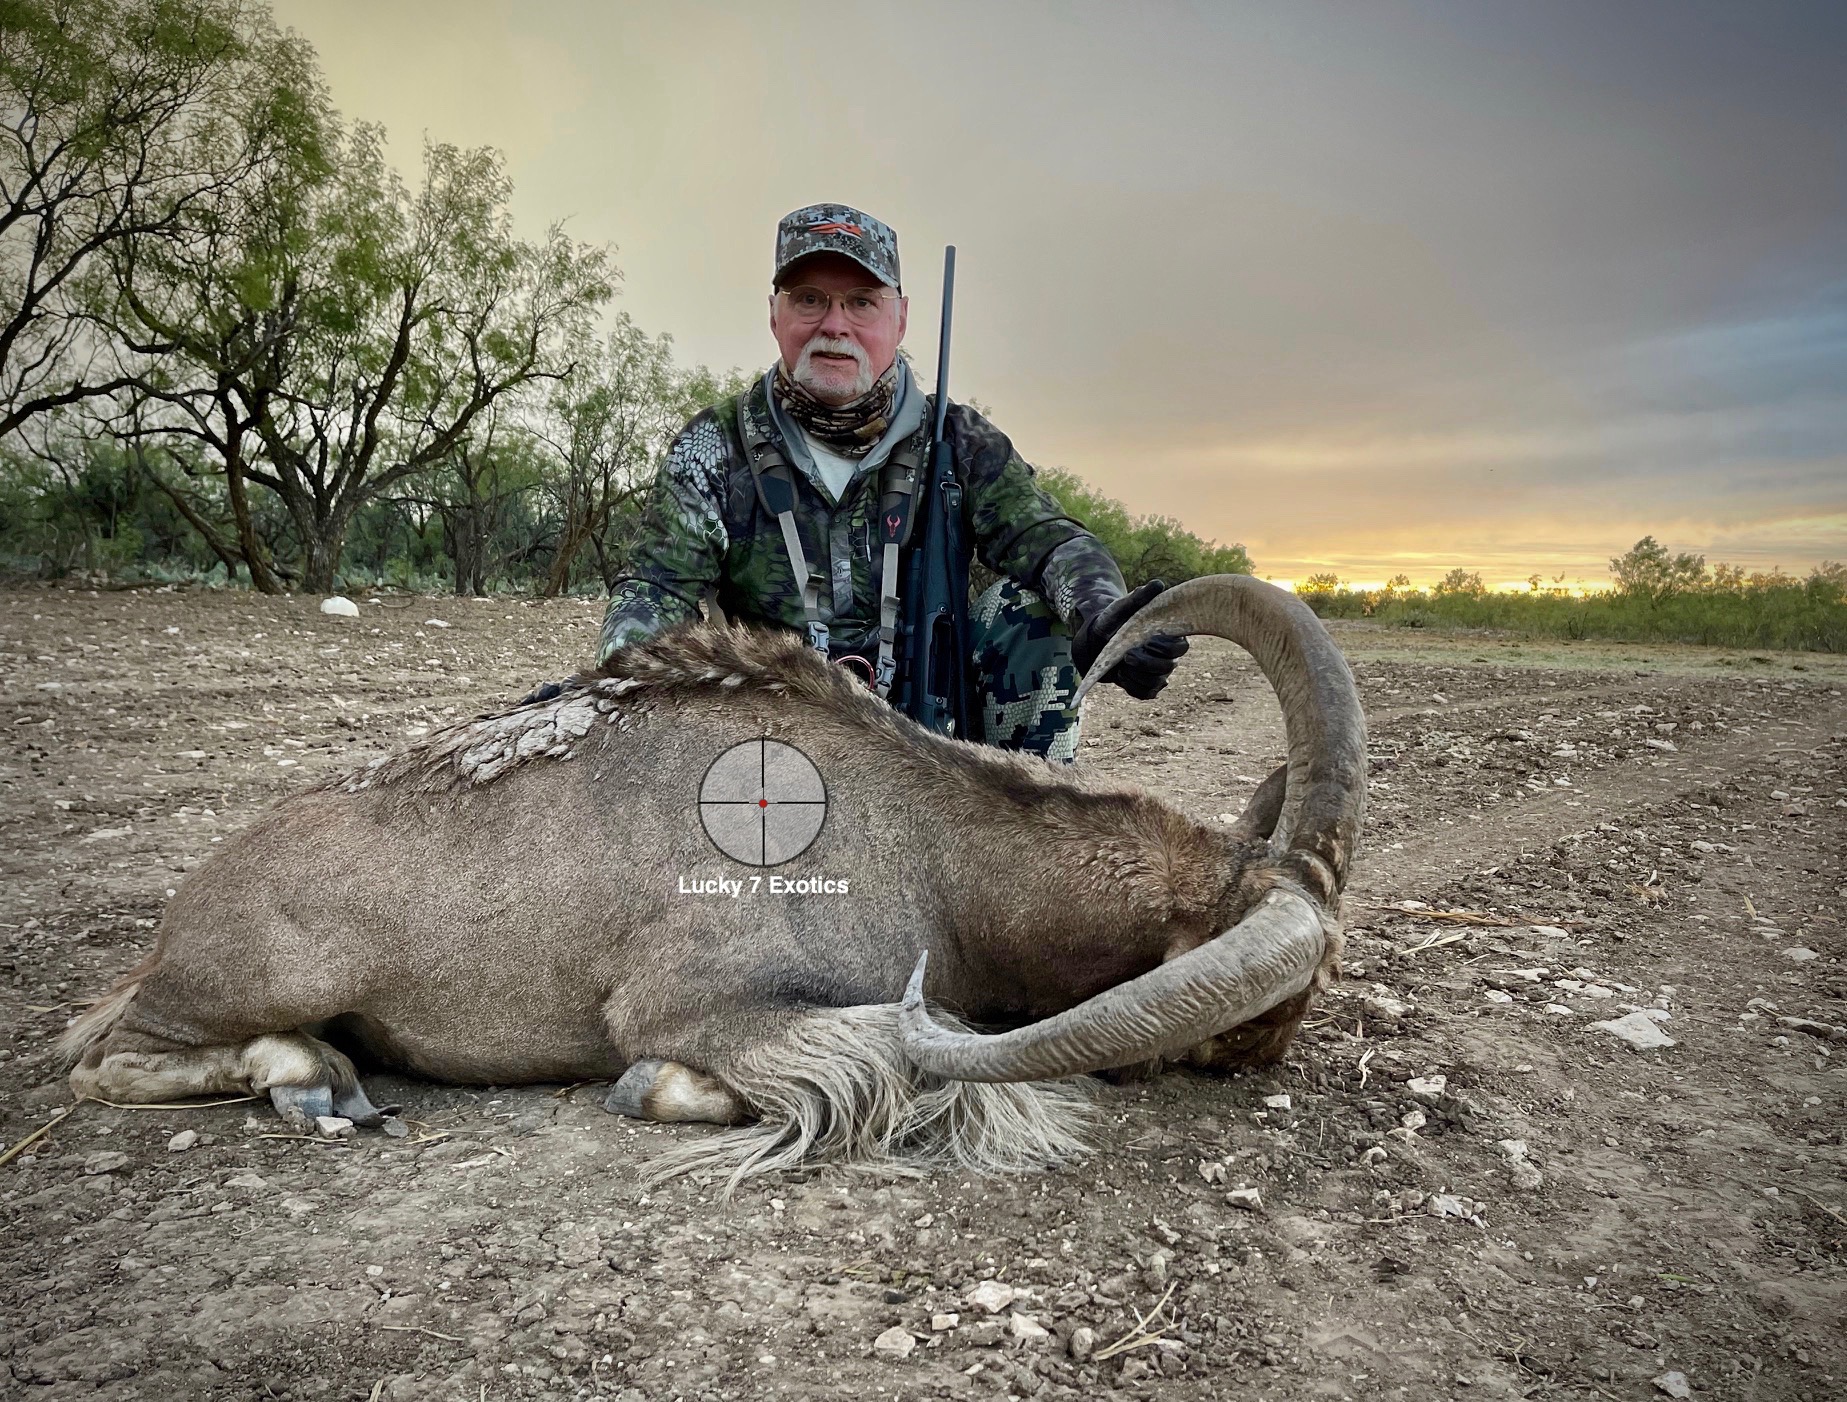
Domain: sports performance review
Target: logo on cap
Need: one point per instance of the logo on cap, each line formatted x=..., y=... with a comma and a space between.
x=838, y=228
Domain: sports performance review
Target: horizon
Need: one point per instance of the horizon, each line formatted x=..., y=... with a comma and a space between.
x=1368, y=289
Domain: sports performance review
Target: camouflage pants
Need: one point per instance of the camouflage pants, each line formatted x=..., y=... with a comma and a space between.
x=1023, y=673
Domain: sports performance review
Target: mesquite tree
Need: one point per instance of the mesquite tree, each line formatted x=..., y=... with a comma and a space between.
x=352, y=332
x=606, y=425
x=119, y=119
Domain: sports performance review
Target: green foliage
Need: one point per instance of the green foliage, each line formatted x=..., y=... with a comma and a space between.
x=118, y=120
x=1730, y=608
x=1460, y=584
x=91, y=509
x=1649, y=573
x=1145, y=547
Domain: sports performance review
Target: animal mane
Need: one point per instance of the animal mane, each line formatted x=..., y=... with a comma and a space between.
x=968, y=783
x=700, y=656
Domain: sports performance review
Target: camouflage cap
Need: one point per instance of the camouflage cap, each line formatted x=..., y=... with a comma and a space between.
x=837, y=228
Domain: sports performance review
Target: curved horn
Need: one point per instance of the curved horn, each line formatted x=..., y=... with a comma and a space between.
x=1321, y=707
x=1273, y=952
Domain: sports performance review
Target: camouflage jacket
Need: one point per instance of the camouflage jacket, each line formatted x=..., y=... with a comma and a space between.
x=704, y=528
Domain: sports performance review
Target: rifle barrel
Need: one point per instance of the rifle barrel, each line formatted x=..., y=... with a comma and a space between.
x=942, y=348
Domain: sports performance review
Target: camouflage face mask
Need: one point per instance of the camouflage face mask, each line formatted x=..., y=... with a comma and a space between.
x=849, y=429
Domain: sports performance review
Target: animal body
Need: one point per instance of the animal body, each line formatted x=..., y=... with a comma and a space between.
x=531, y=897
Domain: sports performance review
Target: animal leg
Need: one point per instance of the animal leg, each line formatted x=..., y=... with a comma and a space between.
x=667, y=1092
x=303, y=1076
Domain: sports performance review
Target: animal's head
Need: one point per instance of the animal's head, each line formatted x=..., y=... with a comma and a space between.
x=1243, y=988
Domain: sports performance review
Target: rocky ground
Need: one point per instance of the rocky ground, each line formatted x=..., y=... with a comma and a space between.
x=1464, y=1181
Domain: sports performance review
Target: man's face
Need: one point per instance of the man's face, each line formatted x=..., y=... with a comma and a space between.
x=836, y=359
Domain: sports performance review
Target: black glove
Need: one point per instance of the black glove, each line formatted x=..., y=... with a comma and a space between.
x=546, y=691
x=1144, y=669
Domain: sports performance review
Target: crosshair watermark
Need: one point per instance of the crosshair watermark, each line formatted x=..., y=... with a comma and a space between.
x=762, y=803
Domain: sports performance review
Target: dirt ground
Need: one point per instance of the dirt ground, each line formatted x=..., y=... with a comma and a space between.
x=1656, y=832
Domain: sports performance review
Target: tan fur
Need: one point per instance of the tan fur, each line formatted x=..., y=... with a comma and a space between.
x=100, y=1019
x=152, y=1076
x=496, y=904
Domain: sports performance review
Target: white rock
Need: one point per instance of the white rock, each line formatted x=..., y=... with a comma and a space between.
x=1247, y=1198
x=340, y=607
x=941, y=1322
x=434, y=623
x=1637, y=1029
x=1277, y=1102
x=1674, y=1384
x=1024, y=1326
x=1667, y=745
x=334, y=1127
x=1494, y=995
x=896, y=1342
x=992, y=1296
x=1446, y=1205
x=253, y=1181
x=1083, y=1343
x=1414, y=1119
x=1512, y=1148
x=1427, y=1087
x=183, y=1141
x=1798, y=954
x=1548, y=932
x=1526, y=1176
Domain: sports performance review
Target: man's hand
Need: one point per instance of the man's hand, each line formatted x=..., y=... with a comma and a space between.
x=1144, y=669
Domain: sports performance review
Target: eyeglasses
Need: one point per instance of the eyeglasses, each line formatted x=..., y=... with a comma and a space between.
x=863, y=305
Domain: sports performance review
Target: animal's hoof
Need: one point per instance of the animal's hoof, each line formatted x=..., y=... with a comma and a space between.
x=354, y=1105
x=301, y=1106
x=636, y=1082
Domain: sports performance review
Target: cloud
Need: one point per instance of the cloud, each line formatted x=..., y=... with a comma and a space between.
x=1341, y=281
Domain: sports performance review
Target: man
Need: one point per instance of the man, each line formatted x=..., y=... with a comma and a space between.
x=782, y=486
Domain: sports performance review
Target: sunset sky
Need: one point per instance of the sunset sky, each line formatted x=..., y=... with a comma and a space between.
x=1370, y=287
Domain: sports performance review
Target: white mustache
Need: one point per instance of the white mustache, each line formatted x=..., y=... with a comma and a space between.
x=804, y=373
x=832, y=345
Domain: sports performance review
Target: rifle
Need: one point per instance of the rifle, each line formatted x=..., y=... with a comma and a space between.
x=934, y=688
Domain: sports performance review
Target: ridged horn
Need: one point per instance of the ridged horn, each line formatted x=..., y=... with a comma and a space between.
x=1272, y=953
